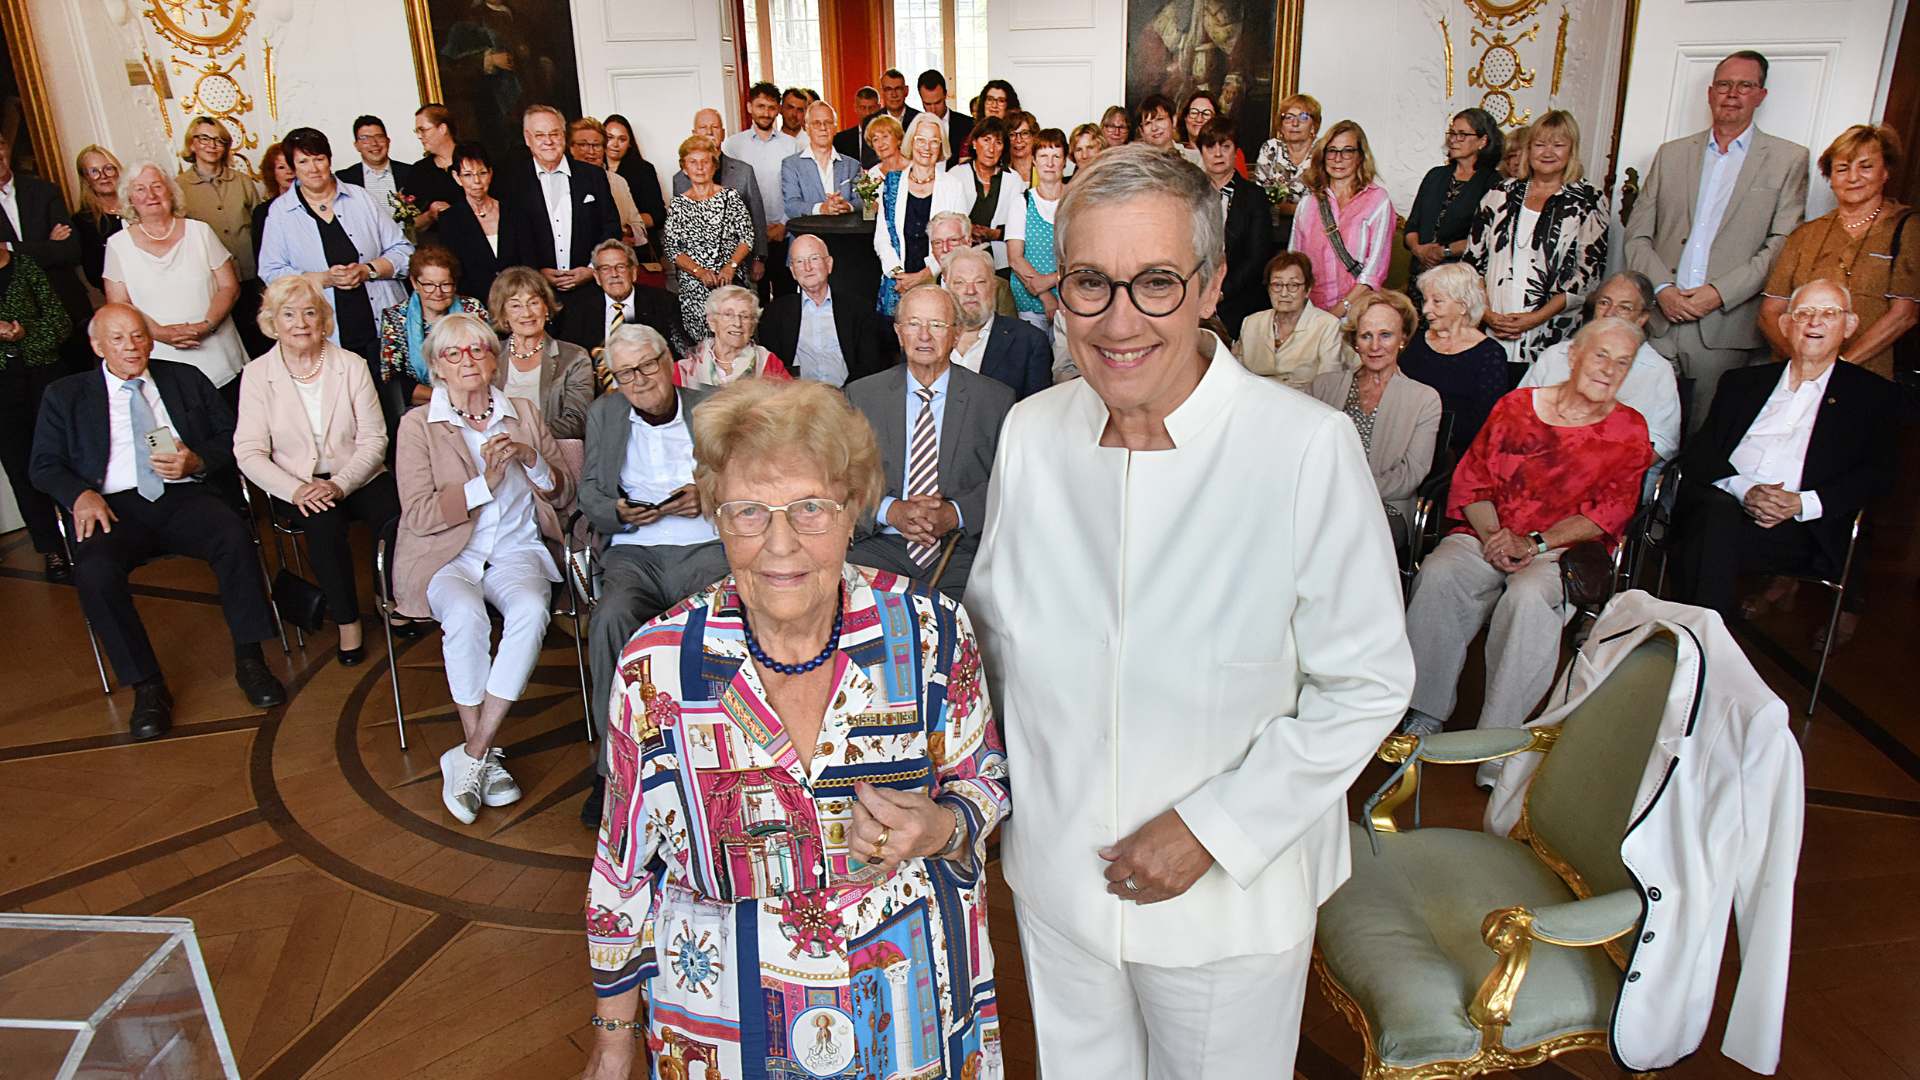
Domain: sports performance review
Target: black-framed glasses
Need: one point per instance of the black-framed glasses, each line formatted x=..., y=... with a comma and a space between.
x=749, y=517
x=432, y=286
x=1342, y=151
x=1155, y=293
x=638, y=371
x=1463, y=134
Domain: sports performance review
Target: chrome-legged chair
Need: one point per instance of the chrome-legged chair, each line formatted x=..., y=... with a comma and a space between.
x=1838, y=587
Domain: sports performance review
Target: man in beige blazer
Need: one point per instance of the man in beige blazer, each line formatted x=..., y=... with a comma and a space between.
x=1713, y=214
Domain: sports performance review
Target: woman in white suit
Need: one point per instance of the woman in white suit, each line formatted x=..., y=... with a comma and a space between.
x=984, y=189
x=906, y=204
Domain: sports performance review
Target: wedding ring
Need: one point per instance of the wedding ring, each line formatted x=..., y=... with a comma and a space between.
x=880, y=845
x=1132, y=885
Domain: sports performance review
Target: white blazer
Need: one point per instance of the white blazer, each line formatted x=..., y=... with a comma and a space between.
x=1716, y=825
x=891, y=257
x=1215, y=629
x=954, y=191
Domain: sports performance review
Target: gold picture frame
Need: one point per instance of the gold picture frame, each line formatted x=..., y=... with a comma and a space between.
x=24, y=52
x=426, y=67
x=498, y=59
x=1289, y=22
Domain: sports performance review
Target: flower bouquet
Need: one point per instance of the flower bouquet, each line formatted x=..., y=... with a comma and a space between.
x=868, y=186
x=405, y=209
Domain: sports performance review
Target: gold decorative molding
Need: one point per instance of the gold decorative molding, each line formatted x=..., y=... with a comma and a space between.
x=1496, y=14
x=273, y=86
x=1560, y=51
x=1500, y=72
x=222, y=23
x=426, y=68
x=35, y=103
x=1446, y=44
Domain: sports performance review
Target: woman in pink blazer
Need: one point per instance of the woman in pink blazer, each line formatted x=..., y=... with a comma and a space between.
x=311, y=435
x=480, y=480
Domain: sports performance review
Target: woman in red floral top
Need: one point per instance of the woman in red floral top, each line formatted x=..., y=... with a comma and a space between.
x=1552, y=467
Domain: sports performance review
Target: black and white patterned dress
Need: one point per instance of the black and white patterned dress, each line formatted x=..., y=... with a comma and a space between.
x=1565, y=252
x=708, y=231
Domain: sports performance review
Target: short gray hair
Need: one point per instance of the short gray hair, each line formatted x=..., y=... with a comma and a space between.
x=732, y=292
x=131, y=173
x=1793, y=301
x=614, y=244
x=1137, y=170
x=455, y=330
x=967, y=254
x=930, y=289
x=1612, y=324
x=638, y=336
x=1639, y=281
x=945, y=216
x=1460, y=283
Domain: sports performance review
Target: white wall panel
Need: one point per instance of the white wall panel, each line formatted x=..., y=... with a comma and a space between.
x=655, y=20
x=1065, y=83
x=1066, y=57
x=1053, y=15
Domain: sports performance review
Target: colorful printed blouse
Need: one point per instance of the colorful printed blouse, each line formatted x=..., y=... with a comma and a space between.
x=1565, y=253
x=721, y=882
x=1536, y=474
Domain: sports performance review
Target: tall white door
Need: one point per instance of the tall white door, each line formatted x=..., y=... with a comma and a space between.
x=657, y=63
x=1824, y=68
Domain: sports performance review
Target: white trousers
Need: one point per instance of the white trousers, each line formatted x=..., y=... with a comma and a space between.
x=458, y=595
x=1238, y=1017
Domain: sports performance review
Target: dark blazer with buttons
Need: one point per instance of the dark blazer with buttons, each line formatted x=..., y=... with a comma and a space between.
x=1018, y=355
x=580, y=320
x=1249, y=246
x=970, y=425
x=405, y=179
x=72, y=440
x=852, y=142
x=853, y=323
x=42, y=208
x=594, y=216
x=1850, y=455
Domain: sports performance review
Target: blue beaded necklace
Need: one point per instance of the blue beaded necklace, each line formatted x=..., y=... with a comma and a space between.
x=833, y=642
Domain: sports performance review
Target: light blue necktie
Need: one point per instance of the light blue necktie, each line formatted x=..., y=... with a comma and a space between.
x=140, y=419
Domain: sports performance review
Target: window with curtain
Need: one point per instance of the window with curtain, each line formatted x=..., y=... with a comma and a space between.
x=782, y=39
x=950, y=35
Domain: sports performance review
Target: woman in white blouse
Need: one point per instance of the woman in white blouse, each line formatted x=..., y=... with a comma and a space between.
x=312, y=436
x=984, y=189
x=175, y=270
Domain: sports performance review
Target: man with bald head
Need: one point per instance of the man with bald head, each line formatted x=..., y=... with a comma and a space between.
x=939, y=429
x=736, y=174
x=136, y=451
x=829, y=334
x=1787, y=455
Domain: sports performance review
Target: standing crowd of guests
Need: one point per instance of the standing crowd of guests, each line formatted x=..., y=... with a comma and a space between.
x=790, y=486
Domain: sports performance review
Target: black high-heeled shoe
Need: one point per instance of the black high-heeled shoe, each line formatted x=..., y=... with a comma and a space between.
x=351, y=657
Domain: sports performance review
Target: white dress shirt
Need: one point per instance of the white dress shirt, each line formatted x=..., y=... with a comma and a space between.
x=1774, y=449
x=379, y=183
x=765, y=155
x=557, y=185
x=1247, y=700
x=1718, y=172
x=976, y=354
x=817, y=353
x=906, y=460
x=1650, y=390
x=120, y=433
x=506, y=524
x=659, y=462
x=10, y=202
x=825, y=169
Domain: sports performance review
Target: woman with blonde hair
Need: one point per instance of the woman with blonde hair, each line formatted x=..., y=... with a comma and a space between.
x=99, y=216
x=906, y=206
x=217, y=193
x=553, y=374
x=1083, y=146
x=1283, y=158
x=1397, y=418
x=311, y=435
x=888, y=140
x=1344, y=223
x=1540, y=241
x=709, y=233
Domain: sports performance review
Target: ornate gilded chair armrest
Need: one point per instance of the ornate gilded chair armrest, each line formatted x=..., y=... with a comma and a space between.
x=1593, y=921
x=1446, y=748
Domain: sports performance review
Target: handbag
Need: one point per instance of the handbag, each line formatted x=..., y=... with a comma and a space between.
x=1586, y=575
x=300, y=601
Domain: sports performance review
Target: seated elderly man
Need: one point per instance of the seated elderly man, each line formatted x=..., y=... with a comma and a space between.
x=939, y=428
x=636, y=488
x=619, y=300
x=134, y=451
x=997, y=346
x=1551, y=467
x=1650, y=389
x=948, y=232
x=1787, y=455
x=829, y=334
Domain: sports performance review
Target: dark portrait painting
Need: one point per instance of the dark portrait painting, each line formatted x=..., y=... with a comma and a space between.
x=1175, y=47
x=487, y=60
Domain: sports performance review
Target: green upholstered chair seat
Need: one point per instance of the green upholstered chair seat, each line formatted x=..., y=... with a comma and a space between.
x=1402, y=937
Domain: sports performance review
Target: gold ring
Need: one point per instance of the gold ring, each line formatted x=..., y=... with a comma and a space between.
x=880, y=844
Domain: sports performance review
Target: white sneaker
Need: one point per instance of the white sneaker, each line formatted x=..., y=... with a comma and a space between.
x=497, y=788
x=460, y=779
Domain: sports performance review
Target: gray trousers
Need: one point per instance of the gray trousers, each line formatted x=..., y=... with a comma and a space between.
x=637, y=583
x=1702, y=363
x=1452, y=598
x=888, y=551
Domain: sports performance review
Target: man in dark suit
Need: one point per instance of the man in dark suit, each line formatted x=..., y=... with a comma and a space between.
x=958, y=125
x=380, y=174
x=131, y=499
x=819, y=332
x=615, y=299
x=998, y=346
x=939, y=428
x=636, y=489
x=852, y=141
x=1249, y=226
x=737, y=175
x=1788, y=453
x=893, y=99
x=564, y=207
x=37, y=225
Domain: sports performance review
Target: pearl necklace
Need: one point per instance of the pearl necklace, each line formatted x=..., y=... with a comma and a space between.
x=1856, y=226
x=172, y=223
x=297, y=376
x=833, y=642
x=533, y=350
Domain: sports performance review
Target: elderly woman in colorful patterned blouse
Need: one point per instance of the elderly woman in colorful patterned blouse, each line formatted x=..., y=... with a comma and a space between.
x=805, y=768
x=1552, y=467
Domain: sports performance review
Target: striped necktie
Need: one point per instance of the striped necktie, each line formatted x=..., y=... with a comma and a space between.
x=923, y=468
x=614, y=322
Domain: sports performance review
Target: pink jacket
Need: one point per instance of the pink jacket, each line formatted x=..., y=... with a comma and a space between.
x=1367, y=227
x=273, y=442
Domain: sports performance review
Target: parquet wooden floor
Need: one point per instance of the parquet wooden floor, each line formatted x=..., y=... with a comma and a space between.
x=354, y=931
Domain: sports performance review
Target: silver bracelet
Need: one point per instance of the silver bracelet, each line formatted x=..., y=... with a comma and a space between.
x=954, y=842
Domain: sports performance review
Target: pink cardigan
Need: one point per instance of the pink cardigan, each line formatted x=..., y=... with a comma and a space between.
x=273, y=441
x=1366, y=227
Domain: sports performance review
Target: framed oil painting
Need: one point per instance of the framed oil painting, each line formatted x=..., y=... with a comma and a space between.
x=487, y=60
x=1230, y=47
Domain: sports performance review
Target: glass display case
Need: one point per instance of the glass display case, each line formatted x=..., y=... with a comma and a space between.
x=103, y=996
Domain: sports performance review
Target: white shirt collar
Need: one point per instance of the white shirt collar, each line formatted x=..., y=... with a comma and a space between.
x=440, y=407
x=807, y=301
x=565, y=168
x=1741, y=142
x=115, y=382
x=1819, y=383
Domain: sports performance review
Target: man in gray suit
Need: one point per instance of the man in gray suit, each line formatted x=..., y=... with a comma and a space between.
x=939, y=427
x=1713, y=214
x=636, y=488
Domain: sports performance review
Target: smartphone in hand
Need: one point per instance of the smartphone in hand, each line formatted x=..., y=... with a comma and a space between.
x=161, y=441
